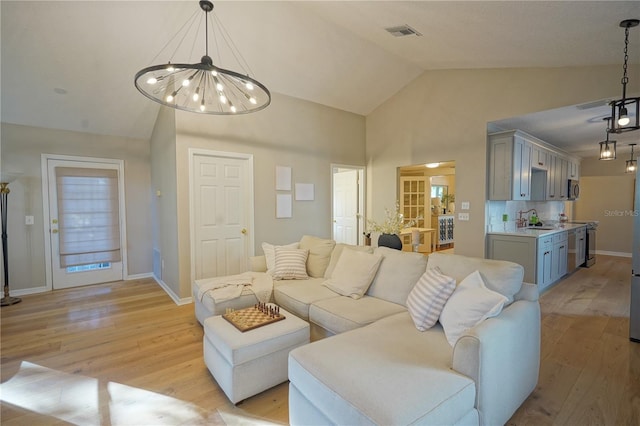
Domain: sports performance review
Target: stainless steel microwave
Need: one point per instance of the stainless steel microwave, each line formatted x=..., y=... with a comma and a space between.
x=574, y=189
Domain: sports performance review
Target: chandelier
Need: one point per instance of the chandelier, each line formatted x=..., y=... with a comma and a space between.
x=620, y=119
x=632, y=164
x=204, y=87
x=607, y=147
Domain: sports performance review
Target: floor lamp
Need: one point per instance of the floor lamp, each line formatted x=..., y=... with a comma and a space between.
x=4, y=193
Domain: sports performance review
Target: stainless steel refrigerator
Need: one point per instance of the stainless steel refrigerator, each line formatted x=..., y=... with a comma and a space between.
x=634, y=318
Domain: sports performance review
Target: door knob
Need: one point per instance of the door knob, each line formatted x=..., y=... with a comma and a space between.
x=244, y=231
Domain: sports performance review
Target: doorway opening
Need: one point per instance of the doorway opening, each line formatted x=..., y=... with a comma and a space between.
x=427, y=196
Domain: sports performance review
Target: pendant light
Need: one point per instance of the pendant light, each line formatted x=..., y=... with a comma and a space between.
x=632, y=164
x=607, y=147
x=204, y=87
x=622, y=110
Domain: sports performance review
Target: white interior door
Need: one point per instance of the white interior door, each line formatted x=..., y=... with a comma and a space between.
x=345, y=206
x=89, y=271
x=222, y=208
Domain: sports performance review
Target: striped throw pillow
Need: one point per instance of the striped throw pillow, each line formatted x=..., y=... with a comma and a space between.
x=290, y=264
x=428, y=297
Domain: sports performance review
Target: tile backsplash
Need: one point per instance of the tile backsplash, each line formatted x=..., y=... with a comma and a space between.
x=548, y=212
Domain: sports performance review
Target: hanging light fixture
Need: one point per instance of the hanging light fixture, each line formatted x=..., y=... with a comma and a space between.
x=622, y=120
x=204, y=87
x=607, y=147
x=632, y=164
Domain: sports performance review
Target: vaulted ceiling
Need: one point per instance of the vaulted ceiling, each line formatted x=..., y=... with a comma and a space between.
x=70, y=64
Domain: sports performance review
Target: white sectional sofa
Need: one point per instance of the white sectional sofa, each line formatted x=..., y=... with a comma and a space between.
x=378, y=368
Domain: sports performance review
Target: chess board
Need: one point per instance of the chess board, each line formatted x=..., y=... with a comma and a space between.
x=253, y=317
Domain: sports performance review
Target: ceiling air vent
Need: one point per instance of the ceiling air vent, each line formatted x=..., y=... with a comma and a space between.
x=402, y=31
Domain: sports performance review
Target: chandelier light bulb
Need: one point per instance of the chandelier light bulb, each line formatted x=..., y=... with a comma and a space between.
x=249, y=86
x=223, y=99
x=170, y=68
x=253, y=100
x=185, y=82
x=171, y=97
x=219, y=86
x=623, y=119
x=202, y=106
x=214, y=73
x=152, y=80
x=196, y=95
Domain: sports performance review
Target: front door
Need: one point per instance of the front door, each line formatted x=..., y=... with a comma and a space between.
x=85, y=221
x=222, y=217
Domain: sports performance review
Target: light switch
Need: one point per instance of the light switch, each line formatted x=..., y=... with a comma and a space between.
x=464, y=205
x=463, y=216
x=28, y=220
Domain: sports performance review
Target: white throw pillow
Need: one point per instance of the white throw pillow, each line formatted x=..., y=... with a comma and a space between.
x=291, y=264
x=270, y=254
x=470, y=304
x=427, y=299
x=353, y=273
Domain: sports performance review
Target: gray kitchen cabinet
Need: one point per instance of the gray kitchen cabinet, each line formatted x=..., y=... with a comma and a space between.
x=544, y=258
x=559, y=256
x=510, y=166
x=544, y=268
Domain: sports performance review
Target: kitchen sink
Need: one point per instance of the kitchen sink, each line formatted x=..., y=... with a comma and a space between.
x=542, y=228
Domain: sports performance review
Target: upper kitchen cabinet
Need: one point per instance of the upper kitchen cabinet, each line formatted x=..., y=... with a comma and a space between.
x=509, y=166
x=522, y=167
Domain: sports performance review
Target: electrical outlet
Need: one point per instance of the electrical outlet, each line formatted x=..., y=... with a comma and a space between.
x=463, y=216
x=464, y=205
x=28, y=220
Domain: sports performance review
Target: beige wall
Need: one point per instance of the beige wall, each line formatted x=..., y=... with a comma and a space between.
x=606, y=195
x=22, y=147
x=305, y=136
x=443, y=115
x=164, y=205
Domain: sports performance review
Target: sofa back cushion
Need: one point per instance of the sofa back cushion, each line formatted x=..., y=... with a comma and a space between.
x=337, y=251
x=498, y=275
x=319, y=254
x=397, y=274
x=353, y=273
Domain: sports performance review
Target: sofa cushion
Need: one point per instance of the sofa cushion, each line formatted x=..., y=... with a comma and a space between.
x=270, y=254
x=290, y=264
x=353, y=273
x=319, y=254
x=499, y=275
x=340, y=314
x=296, y=296
x=337, y=251
x=470, y=304
x=426, y=300
x=387, y=373
x=398, y=273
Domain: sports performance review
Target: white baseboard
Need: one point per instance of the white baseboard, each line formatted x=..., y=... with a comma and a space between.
x=613, y=253
x=139, y=276
x=26, y=291
x=177, y=300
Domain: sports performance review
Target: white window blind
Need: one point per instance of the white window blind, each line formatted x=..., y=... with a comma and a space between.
x=88, y=216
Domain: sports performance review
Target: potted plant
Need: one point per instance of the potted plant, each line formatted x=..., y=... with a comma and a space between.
x=393, y=224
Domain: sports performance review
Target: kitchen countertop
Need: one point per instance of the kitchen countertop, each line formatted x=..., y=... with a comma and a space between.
x=535, y=233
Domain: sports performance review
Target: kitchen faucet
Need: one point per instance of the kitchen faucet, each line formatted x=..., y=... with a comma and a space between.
x=522, y=222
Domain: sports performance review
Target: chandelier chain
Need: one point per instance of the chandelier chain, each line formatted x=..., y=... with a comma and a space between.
x=625, y=79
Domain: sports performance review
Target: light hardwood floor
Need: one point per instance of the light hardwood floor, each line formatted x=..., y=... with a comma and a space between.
x=125, y=353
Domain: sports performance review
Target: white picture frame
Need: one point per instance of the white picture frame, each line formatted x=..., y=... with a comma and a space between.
x=283, y=206
x=305, y=192
x=283, y=178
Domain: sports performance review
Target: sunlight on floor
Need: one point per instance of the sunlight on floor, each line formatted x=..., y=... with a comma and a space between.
x=84, y=400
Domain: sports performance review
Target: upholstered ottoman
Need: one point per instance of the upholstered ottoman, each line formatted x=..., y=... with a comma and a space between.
x=247, y=363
